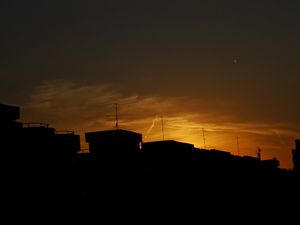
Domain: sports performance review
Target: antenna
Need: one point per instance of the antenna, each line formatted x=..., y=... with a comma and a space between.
x=259, y=153
x=117, y=116
x=162, y=127
x=237, y=145
x=204, y=145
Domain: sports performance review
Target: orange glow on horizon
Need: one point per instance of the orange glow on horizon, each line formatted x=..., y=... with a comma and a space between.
x=183, y=119
x=182, y=130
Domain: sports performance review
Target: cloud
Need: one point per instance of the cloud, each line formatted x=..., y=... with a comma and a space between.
x=83, y=108
x=67, y=104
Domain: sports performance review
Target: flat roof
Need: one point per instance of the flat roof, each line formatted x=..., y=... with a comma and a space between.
x=108, y=134
x=9, y=112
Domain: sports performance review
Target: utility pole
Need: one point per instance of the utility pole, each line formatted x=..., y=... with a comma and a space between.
x=204, y=145
x=238, y=145
x=117, y=116
x=162, y=127
x=259, y=153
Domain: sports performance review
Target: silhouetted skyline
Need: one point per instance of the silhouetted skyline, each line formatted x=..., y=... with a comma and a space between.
x=41, y=164
x=229, y=67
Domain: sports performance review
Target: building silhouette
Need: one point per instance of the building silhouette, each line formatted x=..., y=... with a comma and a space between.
x=296, y=156
x=113, y=143
x=43, y=164
x=167, y=165
x=116, y=161
x=9, y=133
x=38, y=161
x=66, y=149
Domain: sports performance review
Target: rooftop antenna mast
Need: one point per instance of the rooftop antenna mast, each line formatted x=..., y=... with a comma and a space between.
x=117, y=116
x=204, y=145
x=162, y=127
x=259, y=153
x=237, y=145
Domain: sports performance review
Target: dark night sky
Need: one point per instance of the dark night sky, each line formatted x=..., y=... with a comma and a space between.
x=228, y=66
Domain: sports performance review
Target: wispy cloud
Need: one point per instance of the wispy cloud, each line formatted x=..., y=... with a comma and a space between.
x=83, y=108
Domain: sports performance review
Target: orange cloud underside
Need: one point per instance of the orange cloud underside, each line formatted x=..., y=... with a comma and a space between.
x=67, y=105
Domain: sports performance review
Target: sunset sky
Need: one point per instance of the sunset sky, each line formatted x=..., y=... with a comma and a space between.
x=229, y=67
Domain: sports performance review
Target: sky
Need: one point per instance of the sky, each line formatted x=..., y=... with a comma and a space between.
x=225, y=69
